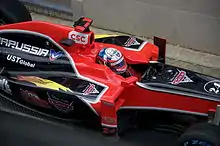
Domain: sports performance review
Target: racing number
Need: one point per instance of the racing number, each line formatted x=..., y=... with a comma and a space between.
x=215, y=89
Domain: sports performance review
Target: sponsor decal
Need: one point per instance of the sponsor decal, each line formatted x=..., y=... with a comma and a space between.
x=79, y=38
x=23, y=47
x=34, y=99
x=181, y=77
x=212, y=87
x=5, y=86
x=63, y=106
x=90, y=89
x=20, y=61
x=44, y=83
x=55, y=55
x=132, y=41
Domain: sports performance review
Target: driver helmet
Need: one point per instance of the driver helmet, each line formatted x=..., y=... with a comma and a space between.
x=114, y=59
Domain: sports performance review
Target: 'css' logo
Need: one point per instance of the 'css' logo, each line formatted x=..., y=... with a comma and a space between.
x=79, y=38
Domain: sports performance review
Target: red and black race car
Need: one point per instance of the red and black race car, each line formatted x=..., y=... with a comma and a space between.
x=50, y=71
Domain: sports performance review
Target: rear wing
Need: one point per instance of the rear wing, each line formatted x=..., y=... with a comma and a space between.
x=161, y=44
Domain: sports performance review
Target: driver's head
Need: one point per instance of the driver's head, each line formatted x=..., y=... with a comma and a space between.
x=112, y=58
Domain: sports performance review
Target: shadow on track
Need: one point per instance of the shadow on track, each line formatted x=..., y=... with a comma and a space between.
x=16, y=130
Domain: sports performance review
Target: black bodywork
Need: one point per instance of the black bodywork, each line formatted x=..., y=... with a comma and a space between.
x=170, y=79
x=23, y=74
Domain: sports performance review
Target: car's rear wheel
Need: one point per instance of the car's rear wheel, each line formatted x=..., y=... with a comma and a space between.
x=203, y=134
x=13, y=11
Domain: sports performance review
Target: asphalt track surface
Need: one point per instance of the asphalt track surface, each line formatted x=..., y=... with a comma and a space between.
x=17, y=130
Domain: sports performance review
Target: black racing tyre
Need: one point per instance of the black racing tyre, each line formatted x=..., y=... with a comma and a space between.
x=13, y=11
x=203, y=134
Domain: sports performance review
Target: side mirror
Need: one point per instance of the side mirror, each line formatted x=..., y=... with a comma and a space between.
x=67, y=42
x=129, y=81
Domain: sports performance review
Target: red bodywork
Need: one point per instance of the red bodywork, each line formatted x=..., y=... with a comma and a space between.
x=121, y=92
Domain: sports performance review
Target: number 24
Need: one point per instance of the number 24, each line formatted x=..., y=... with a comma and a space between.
x=215, y=89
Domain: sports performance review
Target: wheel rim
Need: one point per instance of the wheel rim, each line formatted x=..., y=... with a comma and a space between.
x=197, y=142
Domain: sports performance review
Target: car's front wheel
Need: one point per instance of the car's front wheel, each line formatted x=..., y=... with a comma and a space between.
x=203, y=134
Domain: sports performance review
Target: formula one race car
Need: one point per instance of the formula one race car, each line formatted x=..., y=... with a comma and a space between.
x=51, y=71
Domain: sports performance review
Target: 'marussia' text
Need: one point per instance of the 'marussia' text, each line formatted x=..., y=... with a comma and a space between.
x=23, y=47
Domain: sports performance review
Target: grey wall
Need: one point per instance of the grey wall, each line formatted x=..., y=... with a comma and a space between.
x=190, y=23
x=58, y=5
